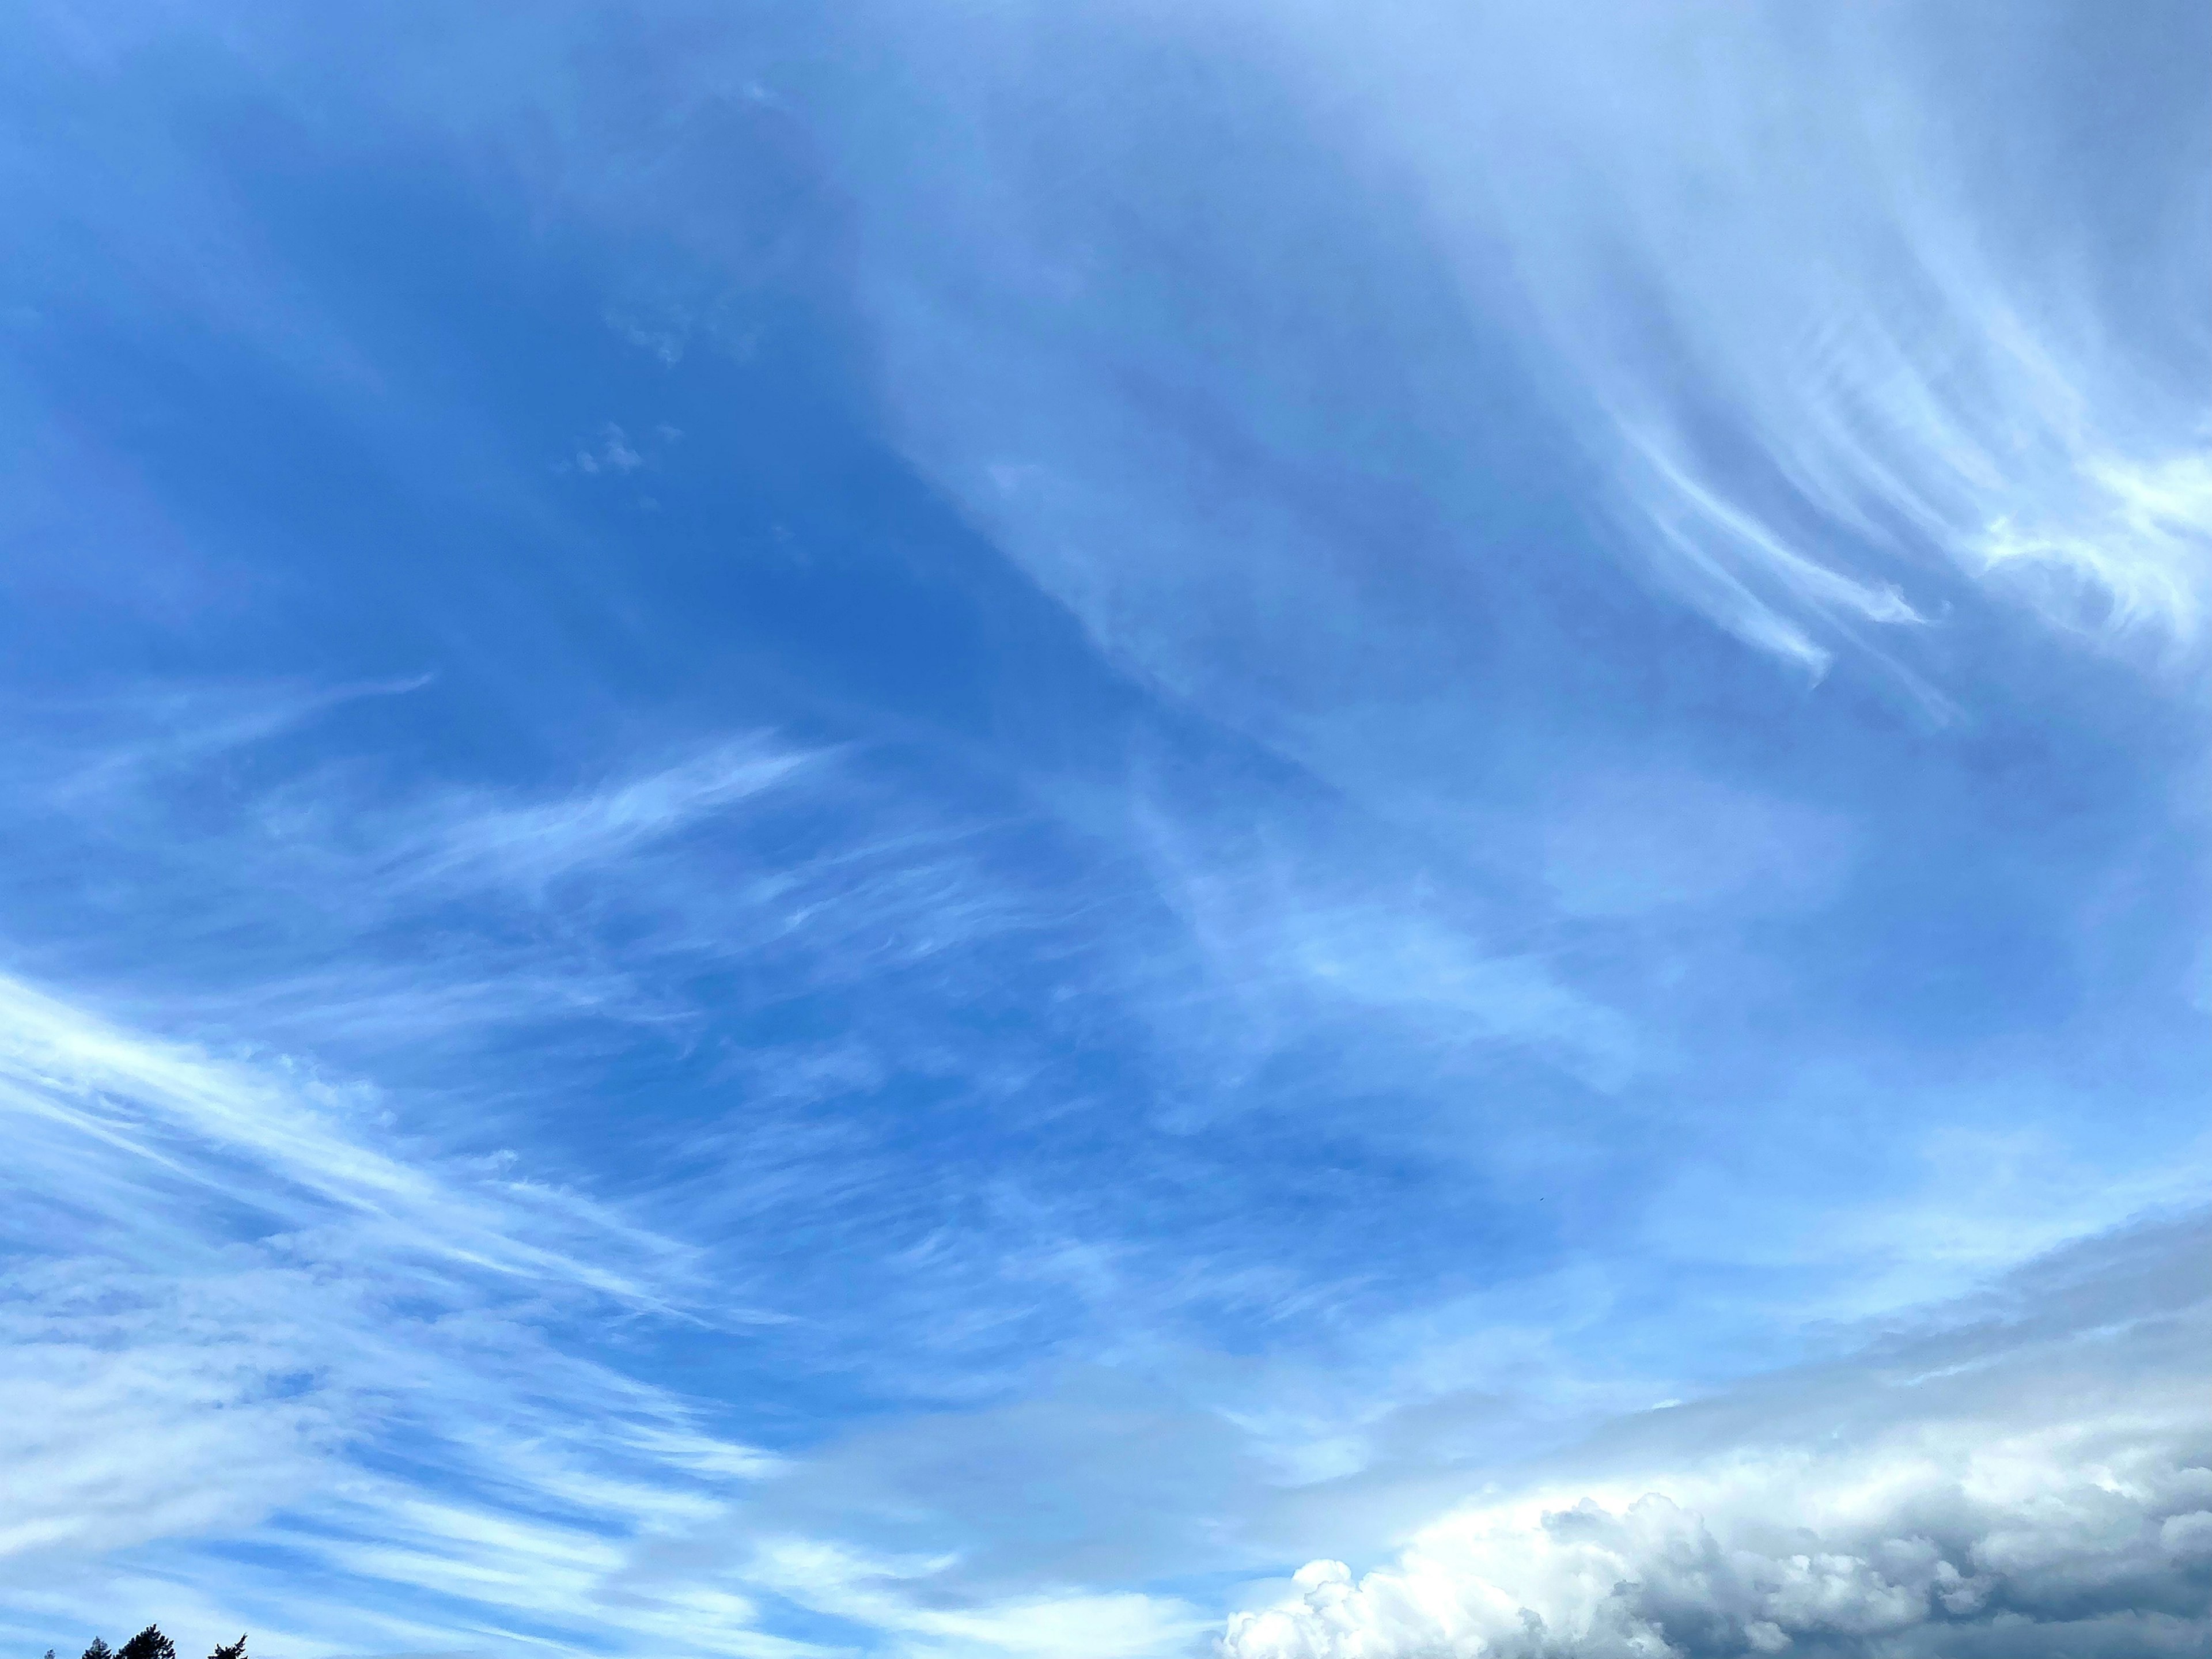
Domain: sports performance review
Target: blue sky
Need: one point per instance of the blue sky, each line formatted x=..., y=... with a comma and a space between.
x=1078, y=832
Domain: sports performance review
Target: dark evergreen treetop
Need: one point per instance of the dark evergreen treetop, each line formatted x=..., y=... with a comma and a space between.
x=150, y=1643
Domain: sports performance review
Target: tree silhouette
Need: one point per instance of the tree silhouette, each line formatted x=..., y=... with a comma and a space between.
x=150, y=1643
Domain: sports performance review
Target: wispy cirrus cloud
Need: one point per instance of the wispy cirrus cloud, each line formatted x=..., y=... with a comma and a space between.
x=489, y=839
x=1834, y=363
x=247, y=1303
x=1828, y=340
x=231, y=1279
x=260, y=1296
x=189, y=1116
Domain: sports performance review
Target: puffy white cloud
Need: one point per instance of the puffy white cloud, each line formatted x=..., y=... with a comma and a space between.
x=2030, y=1485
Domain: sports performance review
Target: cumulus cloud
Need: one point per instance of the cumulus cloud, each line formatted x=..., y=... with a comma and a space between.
x=2036, y=1483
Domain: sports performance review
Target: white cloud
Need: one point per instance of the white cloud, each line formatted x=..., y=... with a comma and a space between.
x=1823, y=323
x=1831, y=343
x=198, y=1120
x=527, y=843
x=2035, y=1483
x=256, y=1299
x=880, y=1591
x=1297, y=943
x=230, y=1277
x=614, y=452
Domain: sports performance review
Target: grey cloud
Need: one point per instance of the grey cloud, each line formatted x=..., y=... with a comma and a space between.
x=2033, y=1477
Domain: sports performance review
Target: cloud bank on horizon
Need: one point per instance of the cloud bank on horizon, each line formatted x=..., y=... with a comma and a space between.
x=2027, y=1477
x=1082, y=833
